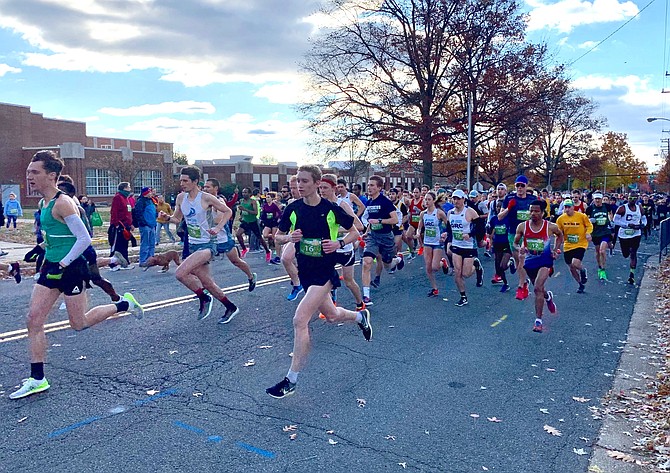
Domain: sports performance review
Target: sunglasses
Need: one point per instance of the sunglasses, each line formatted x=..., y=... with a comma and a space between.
x=520, y=184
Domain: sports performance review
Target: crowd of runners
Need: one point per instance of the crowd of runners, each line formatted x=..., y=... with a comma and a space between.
x=316, y=226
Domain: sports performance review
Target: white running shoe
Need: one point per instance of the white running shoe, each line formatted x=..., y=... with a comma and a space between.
x=30, y=386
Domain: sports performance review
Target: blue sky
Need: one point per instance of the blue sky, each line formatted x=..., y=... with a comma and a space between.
x=220, y=77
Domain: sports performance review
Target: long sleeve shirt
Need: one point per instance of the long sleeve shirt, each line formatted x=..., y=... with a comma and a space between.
x=120, y=211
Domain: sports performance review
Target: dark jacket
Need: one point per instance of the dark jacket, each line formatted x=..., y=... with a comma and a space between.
x=144, y=213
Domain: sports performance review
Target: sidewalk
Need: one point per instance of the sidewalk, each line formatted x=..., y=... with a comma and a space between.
x=613, y=452
x=15, y=251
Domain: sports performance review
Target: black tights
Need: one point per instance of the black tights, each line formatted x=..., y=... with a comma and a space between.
x=499, y=269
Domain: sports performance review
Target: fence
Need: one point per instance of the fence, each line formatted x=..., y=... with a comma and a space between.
x=665, y=238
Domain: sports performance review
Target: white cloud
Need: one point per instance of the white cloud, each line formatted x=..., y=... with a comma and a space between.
x=289, y=92
x=188, y=107
x=587, y=45
x=6, y=69
x=633, y=90
x=565, y=15
x=197, y=44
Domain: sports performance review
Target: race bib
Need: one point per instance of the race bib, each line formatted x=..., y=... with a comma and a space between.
x=431, y=232
x=523, y=215
x=573, y=238
x=130, y=207
x=376, y=226
x=269, y=215
x=311, y=247
x=500, y=229
x=601, y=221
x=458, y=236
x=535, y=245
x=194, y=231
x=415, y=218
x=629, y=231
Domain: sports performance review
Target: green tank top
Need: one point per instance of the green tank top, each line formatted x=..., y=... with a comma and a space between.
x=57, y=236
x=248, y=217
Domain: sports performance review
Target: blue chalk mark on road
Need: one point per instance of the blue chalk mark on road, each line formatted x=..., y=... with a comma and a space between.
x=215, y=438
x=155, y=397
x=192, y=428
x=251, y=448
x=72, y=427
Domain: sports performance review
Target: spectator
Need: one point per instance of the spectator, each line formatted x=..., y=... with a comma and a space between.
x=13, y=210
x=88, y=206
x=163, y=223
x=144, y=216
x=120, y=222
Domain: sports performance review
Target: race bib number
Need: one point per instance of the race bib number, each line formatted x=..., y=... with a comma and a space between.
x=535, y=245
x=130, y=208
x=431, y=232
x=269, y=215
x=311, y=247
x=523, y=215
x=415, y=218
x=573, y=238
x=629, y=232
x=500, y=229
x=601, y=221
x=194, y=231
x=376, y=226
x=458, y=236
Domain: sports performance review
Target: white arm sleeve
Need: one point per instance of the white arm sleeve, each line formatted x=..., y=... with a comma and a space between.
x=620, y=221
x=78, y=229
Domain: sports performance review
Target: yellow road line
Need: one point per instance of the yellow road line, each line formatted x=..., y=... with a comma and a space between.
x=499, y=321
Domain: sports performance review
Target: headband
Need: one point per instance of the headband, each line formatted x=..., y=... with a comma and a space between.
x=329, y=181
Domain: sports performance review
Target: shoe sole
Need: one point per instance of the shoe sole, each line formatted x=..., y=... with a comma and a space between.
x=458, y=304
x=252, y=285
x=138, y=311
x=209, y=309
x=231, y=317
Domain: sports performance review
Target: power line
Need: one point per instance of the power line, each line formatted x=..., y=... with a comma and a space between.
x=612, y=33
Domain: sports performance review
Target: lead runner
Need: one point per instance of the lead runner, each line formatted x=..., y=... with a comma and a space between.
x=316, y=222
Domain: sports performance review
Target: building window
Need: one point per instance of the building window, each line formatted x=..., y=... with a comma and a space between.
x=101, y=182
x=151, y=178
x=232, y=177
x=105, y=146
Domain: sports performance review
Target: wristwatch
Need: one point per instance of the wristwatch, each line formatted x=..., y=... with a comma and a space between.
x=342, y=244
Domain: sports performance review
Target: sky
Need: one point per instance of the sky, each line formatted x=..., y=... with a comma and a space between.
x=221, y=77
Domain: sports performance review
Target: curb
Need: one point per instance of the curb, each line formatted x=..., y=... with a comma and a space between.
x=631, y=375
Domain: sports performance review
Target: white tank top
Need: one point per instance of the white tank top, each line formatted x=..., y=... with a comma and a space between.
x=349, y=247
x=198, y=220
x=398, y=212
x=460, y=225
x=634, y=217
x=431, y=228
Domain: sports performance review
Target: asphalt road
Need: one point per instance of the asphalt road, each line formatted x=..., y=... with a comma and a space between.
x=439, y=388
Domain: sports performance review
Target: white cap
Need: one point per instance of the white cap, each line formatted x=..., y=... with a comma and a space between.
x=458, y=193
x=598, y=195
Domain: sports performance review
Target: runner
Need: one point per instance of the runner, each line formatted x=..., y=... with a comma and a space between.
x=401, y=211
x=248, y=209
x=288, y=259
x=225, y=243
x=576, y=228
x=598, y=214
x=501, y=250
x=344, y=256
x=64, y=270
x=463, y=244
x=194, y=272
x=516, y=208
x=648, y=210
x=381, y=217
x=416, y=206
x=349, y=197
x=538, y=256
x=433, y=237
x=315, y=222
x=270, y=215
x=630, y=221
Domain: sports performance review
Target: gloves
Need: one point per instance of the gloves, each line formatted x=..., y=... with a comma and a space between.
x=53, y=271
x=33, y=254
x=511, y=204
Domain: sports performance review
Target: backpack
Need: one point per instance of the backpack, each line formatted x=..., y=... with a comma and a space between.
x=137, y=214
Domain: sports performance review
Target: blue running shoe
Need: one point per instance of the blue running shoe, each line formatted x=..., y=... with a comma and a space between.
x=295, y=292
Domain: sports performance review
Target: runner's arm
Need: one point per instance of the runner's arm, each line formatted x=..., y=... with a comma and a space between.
x=357, y=222
x=518, y=236
x=355, y=200
x=177, y=215
x=65, y=209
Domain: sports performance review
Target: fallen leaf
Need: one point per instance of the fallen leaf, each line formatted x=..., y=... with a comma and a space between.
x=621, y=456
x=326, y=416
x=290, y=428
x=551, y=370
x=596, y=469
x=332, y=442
x=291, y=354
x=403, y=464
x=22, y=419
x=390, y=437
x=293, y=436
x=544, y=411
x=172, y=352
x=493, y=419
x=265, y=347
x=82, y=357
x=330, y=432
x=580, y=399
x=474, y=416
x=361, y=402
x=484, y=468
x=56, y=345
x=197, y=394
x=151, y=392
x=482, y=387
x=552, y=430
x=250, y=362
x=580, y=451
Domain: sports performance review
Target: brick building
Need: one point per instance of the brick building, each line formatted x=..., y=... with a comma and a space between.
x=97, y=164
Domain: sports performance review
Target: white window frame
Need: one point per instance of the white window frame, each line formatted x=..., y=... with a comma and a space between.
x=101, y=182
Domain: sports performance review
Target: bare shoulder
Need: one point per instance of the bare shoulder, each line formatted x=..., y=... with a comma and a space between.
x=65, y=206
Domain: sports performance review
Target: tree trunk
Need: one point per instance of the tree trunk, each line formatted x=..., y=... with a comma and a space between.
x=427, y=159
